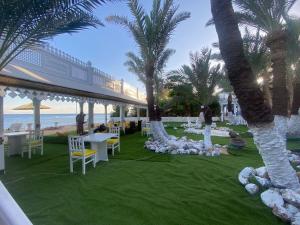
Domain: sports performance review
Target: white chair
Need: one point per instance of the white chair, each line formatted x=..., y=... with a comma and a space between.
x=34, y=142
x=6, y=145
x=114, y=143
x=146, y=129
x=15, y=127
x=77, y=151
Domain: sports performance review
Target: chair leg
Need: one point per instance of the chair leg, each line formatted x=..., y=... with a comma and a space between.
x=112, y=150
x=71, y=165
x=94, y=162
x=29, y=152
x=83, y=166
x=119, y=147
x=42, y=149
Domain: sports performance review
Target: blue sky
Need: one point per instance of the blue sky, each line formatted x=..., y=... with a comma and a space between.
x=106, y=46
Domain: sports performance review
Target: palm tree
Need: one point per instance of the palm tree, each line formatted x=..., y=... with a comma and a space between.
x=270, y=16
x=27, y=23
x=258, y=56
x=293, y=26
x=136, y=65
x=152, y=33
x=254, y=110
x=203, y=77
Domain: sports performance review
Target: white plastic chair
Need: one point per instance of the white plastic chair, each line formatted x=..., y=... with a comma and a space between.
x=77, y=151
x=15, y=127
x=146, y=129
x=6, y=145
x=114, y=143
x=34, y=142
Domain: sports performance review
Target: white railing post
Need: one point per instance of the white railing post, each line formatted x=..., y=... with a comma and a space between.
x=90, y=73
x=122, y=86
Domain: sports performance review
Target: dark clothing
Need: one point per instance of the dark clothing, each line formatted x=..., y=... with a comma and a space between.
x=79, y=123
x=207, y=115
x=101, y=128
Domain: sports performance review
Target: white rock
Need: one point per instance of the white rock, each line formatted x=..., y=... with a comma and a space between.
x=245, y=174
x=282, y=213
x=296, y=219
x=261, y=172
x=173, y=152
x=263, y=181
x=292, y=209
x=272, y=198
x=291, y=197
x=252, y=188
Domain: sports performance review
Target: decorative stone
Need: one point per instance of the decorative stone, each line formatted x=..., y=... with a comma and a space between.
x=282, y=213
x=245, y=174
x=292, y=209
x=263, y=181
x=173, y=152
x=252, y=188
x=272, y=198
x=296, y=219
x=262, y=172
x=291, y=197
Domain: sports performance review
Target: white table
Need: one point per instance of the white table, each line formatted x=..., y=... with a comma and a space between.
x=98, y=143
x=15, y=141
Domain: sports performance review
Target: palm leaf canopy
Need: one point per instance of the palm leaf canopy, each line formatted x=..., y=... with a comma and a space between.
x=151, y=32
x=200, y=74
x=26, y=23
x=267, y=15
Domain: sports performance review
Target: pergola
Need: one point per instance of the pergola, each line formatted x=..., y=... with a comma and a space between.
x=49, y=74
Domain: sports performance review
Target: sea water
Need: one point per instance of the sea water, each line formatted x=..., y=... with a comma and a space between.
x=48, y=120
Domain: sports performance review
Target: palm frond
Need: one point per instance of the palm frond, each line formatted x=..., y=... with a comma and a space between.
x=26, y=23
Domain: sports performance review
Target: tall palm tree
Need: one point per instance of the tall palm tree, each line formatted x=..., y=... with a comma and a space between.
x=293, y=26
x=258, y=56
x=201, y=75
x=27, y=23
x=256, y=112
x=136, y=65
x=270, y=16
x=152, y=32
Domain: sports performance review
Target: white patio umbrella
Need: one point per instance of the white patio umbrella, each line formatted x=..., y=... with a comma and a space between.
x=30, y=106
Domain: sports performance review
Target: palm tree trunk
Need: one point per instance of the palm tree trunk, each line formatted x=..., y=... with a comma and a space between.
x=157, y=128
x=250, y=97
x=266, y=89
x=294, y=122
x=277, y=42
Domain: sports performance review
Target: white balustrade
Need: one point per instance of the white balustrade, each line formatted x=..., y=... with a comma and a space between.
x=46, y=63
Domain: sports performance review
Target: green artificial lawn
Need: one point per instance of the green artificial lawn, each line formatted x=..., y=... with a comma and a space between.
x=138, y=187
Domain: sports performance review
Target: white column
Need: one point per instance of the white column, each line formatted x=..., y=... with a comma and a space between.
x=37, y=114
x=80, y=107
x=122, y=113
x=2, y=155
x=105, y=114
x=91, y=117
x=138, y=113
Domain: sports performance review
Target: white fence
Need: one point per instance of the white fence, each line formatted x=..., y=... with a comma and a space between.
x=164, y=119
x=50, y=65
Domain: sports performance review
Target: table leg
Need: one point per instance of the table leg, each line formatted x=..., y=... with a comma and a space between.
x=101, y=149
x=15, y=144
